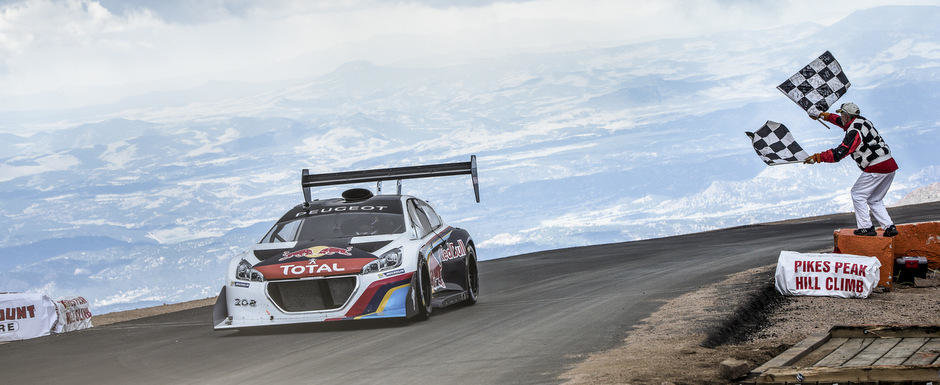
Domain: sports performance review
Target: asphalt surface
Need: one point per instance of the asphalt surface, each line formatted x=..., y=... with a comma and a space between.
x=538, y=313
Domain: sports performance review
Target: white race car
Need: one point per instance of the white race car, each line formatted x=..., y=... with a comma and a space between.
x=356, y=257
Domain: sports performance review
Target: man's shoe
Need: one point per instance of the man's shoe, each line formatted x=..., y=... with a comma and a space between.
x=891, y=231
x=869, y=232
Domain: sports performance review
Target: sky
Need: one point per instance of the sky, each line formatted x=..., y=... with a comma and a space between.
x=77, y=53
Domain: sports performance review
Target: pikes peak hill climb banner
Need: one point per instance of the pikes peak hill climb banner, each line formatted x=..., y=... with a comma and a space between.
x=832, y=275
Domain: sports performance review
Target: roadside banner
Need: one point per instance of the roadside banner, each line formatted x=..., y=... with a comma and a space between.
x=73, y=314
x=25, y=315
x=833, y=275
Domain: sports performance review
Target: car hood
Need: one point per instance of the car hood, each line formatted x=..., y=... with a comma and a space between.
x=369, y=244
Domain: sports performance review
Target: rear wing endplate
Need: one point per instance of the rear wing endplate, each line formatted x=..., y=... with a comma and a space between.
x=308, y=180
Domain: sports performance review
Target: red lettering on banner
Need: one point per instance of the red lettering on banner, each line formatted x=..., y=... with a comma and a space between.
x=838, y=266
x=845, y=284
x=15, y=313
x=77, y=315
x=828, y=283
x=796, y=266
x=807, y=283
x=861, y=270
x=826, y=266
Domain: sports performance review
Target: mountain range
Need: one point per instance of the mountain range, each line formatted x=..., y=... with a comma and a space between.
x=144, y=202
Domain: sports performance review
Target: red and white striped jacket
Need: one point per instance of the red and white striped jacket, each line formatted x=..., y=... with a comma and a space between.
x=864, y=143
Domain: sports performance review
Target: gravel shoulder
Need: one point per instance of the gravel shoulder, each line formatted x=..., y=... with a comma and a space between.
x=129, y=315
x=667, y=346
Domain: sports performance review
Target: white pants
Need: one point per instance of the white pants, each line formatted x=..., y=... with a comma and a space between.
x=868, y=191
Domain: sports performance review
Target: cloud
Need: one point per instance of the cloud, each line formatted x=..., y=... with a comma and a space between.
x=56, y=54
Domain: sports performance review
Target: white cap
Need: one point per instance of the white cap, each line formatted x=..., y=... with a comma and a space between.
x=848, y=108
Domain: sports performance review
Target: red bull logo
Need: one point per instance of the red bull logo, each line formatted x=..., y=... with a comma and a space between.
x=315, y=252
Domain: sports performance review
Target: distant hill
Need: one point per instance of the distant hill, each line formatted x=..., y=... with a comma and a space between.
x=928, y=193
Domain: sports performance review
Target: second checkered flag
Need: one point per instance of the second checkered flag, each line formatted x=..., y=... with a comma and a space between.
x=775, y=145
x=818, y=85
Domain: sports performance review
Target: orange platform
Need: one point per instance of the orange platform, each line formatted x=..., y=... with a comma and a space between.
x=920, y=240
x=915, y=239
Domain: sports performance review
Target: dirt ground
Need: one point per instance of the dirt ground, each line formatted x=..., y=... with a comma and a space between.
x=127, y=315
x=665, y=347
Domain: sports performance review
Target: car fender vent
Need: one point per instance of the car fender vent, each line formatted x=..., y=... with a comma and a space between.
x=370, y=246
x=357, y=195
x=265, y=254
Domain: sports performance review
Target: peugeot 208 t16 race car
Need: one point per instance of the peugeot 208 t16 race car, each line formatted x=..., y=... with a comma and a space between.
x=356, y=257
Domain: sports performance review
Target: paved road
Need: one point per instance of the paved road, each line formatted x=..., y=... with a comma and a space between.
x=537, y=314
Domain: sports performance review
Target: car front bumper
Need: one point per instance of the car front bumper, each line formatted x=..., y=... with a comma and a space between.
x=243, y=304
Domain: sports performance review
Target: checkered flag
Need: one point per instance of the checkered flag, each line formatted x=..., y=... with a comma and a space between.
x=818, y=85
x=775, y=145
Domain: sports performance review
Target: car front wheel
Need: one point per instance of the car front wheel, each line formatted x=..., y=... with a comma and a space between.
x=421, y=286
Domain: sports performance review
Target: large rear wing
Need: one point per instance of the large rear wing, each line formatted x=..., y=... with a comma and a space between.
x=308, y=180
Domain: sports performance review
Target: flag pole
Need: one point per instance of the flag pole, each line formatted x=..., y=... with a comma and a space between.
x=790, y=162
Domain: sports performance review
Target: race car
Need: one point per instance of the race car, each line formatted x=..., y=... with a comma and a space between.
x=360, y=256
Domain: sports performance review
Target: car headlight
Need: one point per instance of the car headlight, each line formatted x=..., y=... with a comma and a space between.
x=246, y=272
x=389, y=260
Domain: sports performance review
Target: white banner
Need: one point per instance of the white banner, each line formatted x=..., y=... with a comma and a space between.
x=73, y=314
x=833, y=275
x=25, y=315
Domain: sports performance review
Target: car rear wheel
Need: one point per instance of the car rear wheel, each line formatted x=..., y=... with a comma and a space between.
x=472, y=278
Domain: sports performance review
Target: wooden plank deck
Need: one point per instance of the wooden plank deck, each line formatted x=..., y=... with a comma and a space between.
x=902, y=351
x=845, y=352
x=813, y=356
x=858, y=354
x=872, y=352
x=927, y=354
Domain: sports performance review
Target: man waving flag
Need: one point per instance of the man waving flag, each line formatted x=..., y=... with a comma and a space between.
x=869, y=150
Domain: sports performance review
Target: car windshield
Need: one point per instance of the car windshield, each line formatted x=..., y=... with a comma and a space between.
x=336, y=225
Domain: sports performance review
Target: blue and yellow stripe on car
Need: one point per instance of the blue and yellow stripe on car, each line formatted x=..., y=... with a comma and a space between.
x=394, y=299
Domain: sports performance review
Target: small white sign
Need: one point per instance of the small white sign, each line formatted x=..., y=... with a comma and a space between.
x=833, y=275
x=73, y=314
